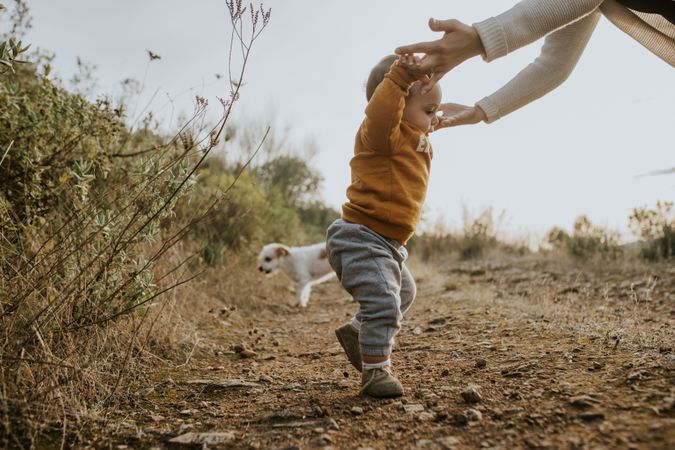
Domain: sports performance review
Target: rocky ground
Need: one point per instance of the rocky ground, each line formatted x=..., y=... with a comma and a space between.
x=521, y=354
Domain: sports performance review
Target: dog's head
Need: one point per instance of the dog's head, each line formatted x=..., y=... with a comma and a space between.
x=271, y=255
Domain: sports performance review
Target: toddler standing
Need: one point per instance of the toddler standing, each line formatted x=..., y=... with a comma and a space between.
x=390, y=173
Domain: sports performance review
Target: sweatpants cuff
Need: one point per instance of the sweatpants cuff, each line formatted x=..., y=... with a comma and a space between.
x=375, y=351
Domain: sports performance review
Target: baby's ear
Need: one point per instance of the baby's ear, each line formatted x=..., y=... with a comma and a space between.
x=282, y=250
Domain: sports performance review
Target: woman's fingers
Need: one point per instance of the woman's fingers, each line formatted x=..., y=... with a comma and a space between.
x=435, y=77
x=420, y=47
x=446, y=26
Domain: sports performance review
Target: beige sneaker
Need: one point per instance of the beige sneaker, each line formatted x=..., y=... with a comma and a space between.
x=349, y=340
x=380, y=383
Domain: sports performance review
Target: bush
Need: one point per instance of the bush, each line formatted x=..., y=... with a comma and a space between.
x=586, y=241
x=479, y=236
x=657, y=229
x=244, y=218
x=81, y=237
x=86, y=218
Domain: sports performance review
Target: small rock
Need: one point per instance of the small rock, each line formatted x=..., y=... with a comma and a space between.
x=333, y=425
x=426, y=416
x=460, y=419
x=445, y=373
x=636, y=376
x=592, y=415
x=413, y=408
x=473, y=415
x=357, y=410
x=448, y=442
x=243, y=351
x=204, y=438
x=186, y=412
x=425, y=443
x=480, y=363
x=471, y=394
x=595, y=366
x=417, y=331
x=184, y=427
x=323, y=439
x=582, y=401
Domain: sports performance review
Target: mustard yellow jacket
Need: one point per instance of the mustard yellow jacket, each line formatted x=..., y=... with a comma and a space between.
x=391, y=164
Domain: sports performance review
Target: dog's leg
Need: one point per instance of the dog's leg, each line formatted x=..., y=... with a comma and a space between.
x=304, y=290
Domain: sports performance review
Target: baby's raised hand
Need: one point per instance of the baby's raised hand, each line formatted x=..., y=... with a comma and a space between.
x=411, y=63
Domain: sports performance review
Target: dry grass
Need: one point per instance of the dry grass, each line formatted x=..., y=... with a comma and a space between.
x=616, y=302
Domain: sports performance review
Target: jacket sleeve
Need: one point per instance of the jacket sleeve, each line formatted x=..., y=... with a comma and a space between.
x=381, y=127
x=528, y=21
x=559, y=55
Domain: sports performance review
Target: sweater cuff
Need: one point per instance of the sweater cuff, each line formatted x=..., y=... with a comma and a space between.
x=401, y=77
x=490, y=109
x=493, y=38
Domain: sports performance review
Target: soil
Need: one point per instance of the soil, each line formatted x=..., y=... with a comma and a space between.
x=518, y=354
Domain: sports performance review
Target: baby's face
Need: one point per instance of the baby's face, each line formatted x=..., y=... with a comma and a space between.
x=420, y=109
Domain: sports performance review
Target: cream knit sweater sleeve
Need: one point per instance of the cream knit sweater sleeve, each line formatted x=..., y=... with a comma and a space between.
x=567, y=25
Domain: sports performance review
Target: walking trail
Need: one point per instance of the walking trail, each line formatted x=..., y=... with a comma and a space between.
x=517, y=354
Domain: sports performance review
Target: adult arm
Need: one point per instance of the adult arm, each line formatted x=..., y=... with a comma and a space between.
x=527, y=22
x=559, y=55
x=523, y=24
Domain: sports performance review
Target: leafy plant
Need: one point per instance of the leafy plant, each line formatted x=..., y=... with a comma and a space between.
x=587, y=240
x=657, y=228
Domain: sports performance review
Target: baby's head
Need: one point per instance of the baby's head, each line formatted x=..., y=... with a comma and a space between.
x=420, y=109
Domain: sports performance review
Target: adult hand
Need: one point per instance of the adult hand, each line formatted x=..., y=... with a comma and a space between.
x=454, y=114
x=459, y=43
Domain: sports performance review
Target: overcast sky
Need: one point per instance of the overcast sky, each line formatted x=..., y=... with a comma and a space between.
x=577, y=151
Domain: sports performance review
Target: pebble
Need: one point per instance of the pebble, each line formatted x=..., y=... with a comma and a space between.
x=426, y=416
x=448, y=442
x=413, y=408
x=323, y=439
x=582, y=401
x=357, y=410
x=460, y=419
x=473, y=415
x=592, y=415
x=471, y=394
x=480, y=363
x=213, y=438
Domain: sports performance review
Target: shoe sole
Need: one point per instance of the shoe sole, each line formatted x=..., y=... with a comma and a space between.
x=356, y=363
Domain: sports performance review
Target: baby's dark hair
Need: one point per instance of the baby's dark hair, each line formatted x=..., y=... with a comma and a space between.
x=377, y=74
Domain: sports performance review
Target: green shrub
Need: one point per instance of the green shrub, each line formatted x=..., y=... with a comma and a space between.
x=586, y=241
x=478, y=237
x=657, y=229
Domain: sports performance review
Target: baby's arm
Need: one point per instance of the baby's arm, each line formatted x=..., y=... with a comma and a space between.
x=385, y=108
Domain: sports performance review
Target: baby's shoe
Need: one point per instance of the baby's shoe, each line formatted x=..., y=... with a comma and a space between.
x=380, y=383
x=349, y=340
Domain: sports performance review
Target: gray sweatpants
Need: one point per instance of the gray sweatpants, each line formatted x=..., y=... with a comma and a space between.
x=372, y=269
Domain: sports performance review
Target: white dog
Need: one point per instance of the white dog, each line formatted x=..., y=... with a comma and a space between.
x=306, y=265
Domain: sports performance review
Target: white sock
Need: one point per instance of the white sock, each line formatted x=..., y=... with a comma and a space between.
x=356, y=324
x=380, y=365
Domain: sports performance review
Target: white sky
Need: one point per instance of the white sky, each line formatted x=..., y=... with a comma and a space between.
x=578, y=150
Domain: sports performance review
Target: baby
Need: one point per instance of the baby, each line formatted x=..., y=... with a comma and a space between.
x=390, y=173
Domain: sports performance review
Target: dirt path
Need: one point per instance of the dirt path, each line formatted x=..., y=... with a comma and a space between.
x=519, y=355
